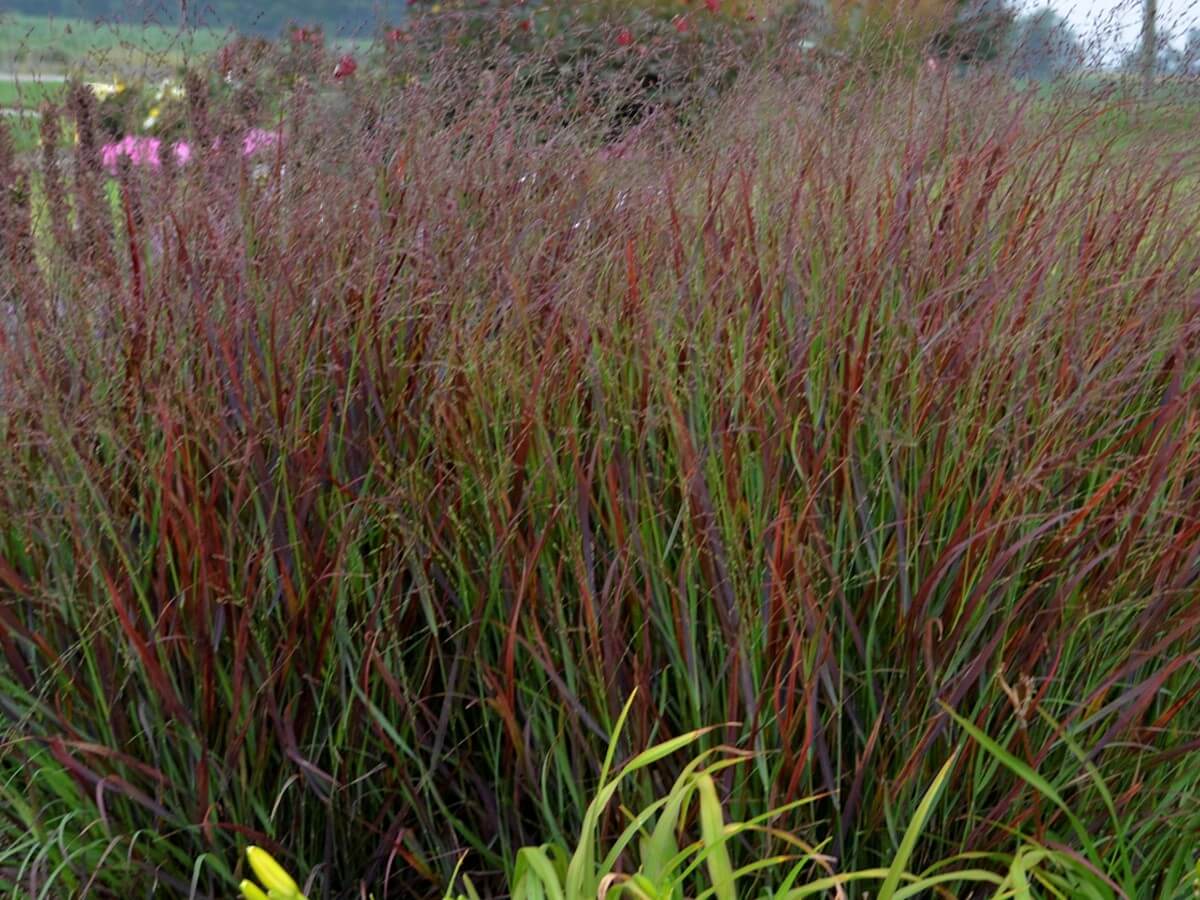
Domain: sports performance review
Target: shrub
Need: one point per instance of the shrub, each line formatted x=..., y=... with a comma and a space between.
x=649, y=57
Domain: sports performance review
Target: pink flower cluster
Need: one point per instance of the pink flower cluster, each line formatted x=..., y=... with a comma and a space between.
x=257, y=139
x=141, y=151
x=147, y=151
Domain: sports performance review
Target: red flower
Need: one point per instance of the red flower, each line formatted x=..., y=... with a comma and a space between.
x=307, y=36
x=525, y=24
x=713, y=5
x=394, y=36
x=346, y=67
x=681, y=24
x=624, y=37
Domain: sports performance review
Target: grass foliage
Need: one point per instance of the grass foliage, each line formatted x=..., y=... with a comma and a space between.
x=350, y=494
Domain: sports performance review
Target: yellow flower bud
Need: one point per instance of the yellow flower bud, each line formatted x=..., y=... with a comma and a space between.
x=251, y=891
x=271, y=873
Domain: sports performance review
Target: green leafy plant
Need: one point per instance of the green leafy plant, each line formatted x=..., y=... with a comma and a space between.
x=663, y=870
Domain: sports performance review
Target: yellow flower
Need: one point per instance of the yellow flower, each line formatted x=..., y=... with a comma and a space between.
x=168, y=90
x=103, y=89
x=278, y=882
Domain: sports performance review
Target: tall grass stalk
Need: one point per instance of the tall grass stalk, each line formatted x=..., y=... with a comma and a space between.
x=349, y=492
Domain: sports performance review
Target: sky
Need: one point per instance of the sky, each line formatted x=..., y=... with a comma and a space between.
x=1115, y=25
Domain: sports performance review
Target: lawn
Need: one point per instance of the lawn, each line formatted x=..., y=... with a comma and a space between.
x=635, y=461
x=28, y=94
x=38, y=44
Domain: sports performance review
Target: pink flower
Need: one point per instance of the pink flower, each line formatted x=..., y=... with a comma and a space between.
x=147, y=151
x=151, y=153
x=144, y=151
x=712, y=5
x=624, y=37
x=345, y=68
x=682, y=24
x=140, y=151
x=256, y=139
x=109, y=154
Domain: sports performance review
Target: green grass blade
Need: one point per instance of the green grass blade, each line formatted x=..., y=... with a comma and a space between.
x=907, y=843
x=1029, y=776
x=712, y=828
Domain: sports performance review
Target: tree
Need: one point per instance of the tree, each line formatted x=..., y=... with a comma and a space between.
x=1189, y=57
x=966, y=30
x=1043, y=45
x=1149, y=42
x=1181, y=61
x=978, y=30
x=259, y=16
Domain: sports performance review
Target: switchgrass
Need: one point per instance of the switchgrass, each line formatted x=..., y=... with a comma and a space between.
x=662, y=870
x=349, y=494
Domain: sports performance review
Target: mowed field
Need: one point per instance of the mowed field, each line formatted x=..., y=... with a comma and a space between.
x=36, y=45
x=38, y=54
x=25, y=92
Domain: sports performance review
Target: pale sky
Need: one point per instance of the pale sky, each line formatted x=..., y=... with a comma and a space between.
x=1116, y=24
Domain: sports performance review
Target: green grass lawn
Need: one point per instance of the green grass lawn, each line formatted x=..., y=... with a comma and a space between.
x=1117, y=117
x=24, y=131
x=41, y=44
x=28, y=94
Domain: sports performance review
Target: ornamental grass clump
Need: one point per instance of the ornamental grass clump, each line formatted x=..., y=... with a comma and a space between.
x=350, y=490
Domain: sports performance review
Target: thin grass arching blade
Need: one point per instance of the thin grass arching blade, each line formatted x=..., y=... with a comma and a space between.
x=1029, y=776
x=908, y=842
x=712, y=829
